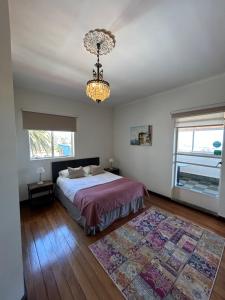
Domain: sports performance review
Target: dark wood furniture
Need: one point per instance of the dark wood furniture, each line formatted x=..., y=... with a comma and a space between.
x=45, y=191
x=76, y=163
x=113, y=170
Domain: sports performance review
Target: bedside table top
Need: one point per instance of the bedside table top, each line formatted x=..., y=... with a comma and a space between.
x=35, y=185
x=111, y=169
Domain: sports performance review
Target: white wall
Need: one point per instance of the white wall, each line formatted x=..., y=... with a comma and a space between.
x=93, y=138
x=153, y=165
x=11, y=270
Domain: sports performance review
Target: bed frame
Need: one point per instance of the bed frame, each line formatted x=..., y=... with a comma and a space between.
x=64, y=164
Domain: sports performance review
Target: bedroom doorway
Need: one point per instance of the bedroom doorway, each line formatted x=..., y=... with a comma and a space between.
x=198, y=151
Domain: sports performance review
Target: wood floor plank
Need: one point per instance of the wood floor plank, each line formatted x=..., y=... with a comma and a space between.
x=78, y=269
x=99, y=277
x=35, y=269
x=219, y=287
x=45, y=263
x=55, y=261
x=66, y=242
x=62, y=259
x=30, y=284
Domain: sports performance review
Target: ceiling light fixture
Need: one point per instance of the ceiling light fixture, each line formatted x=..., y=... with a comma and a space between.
x=98, y=42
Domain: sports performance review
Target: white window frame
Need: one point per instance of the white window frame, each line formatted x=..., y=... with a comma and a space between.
x=192, y=152
x=52, y=157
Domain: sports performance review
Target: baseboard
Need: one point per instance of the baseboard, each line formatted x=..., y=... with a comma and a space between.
x=24, y=297
x=195, y=207
x=25, y=292
x=159, y=195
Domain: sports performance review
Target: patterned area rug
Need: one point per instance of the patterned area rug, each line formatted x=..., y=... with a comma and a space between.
x=158, y=255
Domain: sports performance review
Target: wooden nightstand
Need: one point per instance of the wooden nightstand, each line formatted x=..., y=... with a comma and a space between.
x=113, y=170
x=46, y=191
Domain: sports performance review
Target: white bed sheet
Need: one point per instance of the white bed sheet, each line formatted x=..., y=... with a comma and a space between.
x=71, y=186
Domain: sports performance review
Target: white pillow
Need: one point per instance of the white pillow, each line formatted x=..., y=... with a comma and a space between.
x=87, y=170
x=64, y=173
x=95, y=170
x=76, y=172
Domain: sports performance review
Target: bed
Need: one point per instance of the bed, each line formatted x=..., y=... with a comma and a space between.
x=96, y=201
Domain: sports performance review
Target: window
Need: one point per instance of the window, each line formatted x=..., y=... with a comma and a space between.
x=198, y=157
x=205, y=139
x=50, y=144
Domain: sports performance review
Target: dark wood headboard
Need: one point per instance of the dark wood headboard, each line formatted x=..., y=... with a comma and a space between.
x=64, y=164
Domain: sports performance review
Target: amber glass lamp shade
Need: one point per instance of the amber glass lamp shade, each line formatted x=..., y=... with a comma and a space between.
x=98, y=90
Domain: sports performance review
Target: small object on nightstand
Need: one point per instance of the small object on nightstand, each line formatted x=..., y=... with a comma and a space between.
x=46, y=191
x=115, y=171
x=40, y=171
x=111, y=161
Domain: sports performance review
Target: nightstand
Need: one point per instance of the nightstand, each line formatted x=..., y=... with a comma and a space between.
x=113, y=170
x=45, y=191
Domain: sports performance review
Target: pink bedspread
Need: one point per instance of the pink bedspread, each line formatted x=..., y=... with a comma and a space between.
x=95, y=201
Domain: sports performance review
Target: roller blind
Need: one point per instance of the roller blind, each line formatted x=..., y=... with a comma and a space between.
x=200, y=111
x=40, y=121
x=200, y=120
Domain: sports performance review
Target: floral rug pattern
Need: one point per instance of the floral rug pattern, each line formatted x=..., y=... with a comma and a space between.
x=158, y=255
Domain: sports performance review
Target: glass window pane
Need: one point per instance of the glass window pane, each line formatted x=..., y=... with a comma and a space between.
x=208, y=139
x=199, y=179
x=40, y=144
x=185, y=139
x=63, y=143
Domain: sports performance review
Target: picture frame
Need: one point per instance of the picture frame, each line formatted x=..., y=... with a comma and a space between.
x=141, y=135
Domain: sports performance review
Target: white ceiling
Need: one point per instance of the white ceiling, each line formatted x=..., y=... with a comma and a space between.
x=160, y=44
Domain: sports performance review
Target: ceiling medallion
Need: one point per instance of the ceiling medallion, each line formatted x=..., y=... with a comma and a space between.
x=98, y=42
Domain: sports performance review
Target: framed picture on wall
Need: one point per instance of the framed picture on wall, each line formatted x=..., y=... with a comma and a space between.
x=141, y=135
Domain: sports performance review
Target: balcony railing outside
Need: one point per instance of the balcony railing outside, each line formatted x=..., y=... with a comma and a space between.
x=198, y=172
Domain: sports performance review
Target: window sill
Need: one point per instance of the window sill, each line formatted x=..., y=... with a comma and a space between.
x=53, y=158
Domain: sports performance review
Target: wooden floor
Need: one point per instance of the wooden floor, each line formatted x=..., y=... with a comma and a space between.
x=59, y=265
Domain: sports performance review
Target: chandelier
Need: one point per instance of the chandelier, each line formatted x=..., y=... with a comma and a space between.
x=98, y=42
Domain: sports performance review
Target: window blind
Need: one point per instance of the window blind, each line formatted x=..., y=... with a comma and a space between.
x=40, y=121
x=199, y=111
x=200, y=120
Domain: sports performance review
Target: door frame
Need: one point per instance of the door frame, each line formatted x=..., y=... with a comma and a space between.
x=221, y=210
